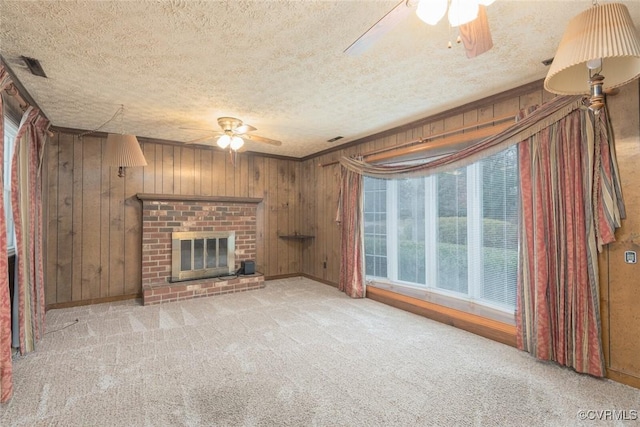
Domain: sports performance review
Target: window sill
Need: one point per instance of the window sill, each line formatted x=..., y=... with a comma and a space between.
x=480, y=320
x=441, y=298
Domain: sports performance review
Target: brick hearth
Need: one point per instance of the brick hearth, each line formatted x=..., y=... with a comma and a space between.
x=163, y=214
x=167, y=292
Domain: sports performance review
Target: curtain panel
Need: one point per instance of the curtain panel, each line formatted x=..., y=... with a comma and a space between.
x=571, y=206
x=6, y=369
x=26, y=201
x=351, y=280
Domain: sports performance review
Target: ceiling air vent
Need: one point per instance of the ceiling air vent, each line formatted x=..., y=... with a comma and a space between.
x=34, y=66
x=335, y=139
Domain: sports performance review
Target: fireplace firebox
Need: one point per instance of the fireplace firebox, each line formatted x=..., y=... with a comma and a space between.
x=200, y=254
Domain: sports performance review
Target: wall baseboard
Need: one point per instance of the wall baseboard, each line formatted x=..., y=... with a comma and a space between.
x=308, y=276
x=282, y=276
x=317, y=279
x=623, y=378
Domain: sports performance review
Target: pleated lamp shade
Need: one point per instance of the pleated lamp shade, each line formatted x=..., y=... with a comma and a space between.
x=605, y=32
x=123, y=151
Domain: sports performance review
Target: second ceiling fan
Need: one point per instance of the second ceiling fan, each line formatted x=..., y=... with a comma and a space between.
x=233, y=134
x=468, y=15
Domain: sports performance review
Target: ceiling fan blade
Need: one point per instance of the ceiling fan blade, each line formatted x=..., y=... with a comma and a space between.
x=244, y=128
x=380, y=28
x=476, y=35
x=257, y=138
x=198, y=140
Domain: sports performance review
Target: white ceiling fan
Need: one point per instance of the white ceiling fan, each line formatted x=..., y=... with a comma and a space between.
x=232, y=135
x=468, y=15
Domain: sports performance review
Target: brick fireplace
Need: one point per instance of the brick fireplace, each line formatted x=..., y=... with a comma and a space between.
x=164, y=214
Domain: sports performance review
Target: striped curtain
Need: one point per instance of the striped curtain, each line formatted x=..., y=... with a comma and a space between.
x=26, y=201
x=571, y=205
x=6, y=376
x=350, y=217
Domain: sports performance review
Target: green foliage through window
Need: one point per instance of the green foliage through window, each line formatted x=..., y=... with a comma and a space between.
x=457, y=231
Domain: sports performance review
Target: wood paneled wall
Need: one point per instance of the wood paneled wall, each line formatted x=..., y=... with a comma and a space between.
x=93, y=218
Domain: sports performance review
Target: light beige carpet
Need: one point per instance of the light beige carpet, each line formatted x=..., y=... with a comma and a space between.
x=297, y=353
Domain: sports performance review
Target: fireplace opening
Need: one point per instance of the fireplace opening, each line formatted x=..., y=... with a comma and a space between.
x=202, y=254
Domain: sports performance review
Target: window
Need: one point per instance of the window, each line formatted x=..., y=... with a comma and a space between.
x=375, y=231
x=10, y=131
x=455, y=233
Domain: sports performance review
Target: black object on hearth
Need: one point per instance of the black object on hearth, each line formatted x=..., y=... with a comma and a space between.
x=247, y=267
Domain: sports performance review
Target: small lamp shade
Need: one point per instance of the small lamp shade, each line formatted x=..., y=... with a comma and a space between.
x=124, y=151
x=431, y=11
x=462, y=12
x=224, y=141
x=605, y=32
x=236, y=143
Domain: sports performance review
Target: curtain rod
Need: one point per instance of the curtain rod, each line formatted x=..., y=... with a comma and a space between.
x=12, y=90
x=493, y=121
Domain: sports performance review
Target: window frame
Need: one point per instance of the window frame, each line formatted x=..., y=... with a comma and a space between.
x=9, y=137
x=475, y=243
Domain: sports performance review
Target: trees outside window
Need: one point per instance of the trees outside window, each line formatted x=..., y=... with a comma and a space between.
x=455, y=232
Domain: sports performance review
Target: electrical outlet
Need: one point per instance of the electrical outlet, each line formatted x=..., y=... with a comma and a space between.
x=630, y=257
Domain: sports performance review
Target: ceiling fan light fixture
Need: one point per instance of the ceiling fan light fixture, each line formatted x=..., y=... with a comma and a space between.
x=236, y=143
x=462, y=12
x=431, y=11
x=224, y=141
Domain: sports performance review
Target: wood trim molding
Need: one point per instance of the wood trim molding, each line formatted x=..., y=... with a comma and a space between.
x=145, y=197
x=478, y=325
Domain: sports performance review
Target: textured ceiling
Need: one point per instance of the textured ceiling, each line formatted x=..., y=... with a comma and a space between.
x=277, y=65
